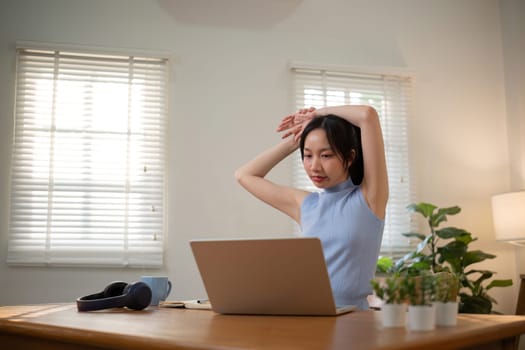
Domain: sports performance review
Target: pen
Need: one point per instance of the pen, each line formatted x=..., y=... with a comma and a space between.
x=202, y=301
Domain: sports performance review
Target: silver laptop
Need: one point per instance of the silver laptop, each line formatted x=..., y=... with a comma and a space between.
x=277, y=276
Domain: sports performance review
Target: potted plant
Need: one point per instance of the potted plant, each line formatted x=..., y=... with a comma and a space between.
x=447, y=249
x=445, y=298
x=421, y=309
x=391, y=290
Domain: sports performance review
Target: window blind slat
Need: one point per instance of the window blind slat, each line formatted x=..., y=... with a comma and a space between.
x=88, y=175
x=390, y=95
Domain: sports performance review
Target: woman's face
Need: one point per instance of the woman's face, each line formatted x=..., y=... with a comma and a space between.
x=322, y=164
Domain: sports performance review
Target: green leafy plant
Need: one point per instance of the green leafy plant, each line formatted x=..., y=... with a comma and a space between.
x=420, y=289
x=391, y=289
x=447, y=250
x=384, y=265
x=446, y=287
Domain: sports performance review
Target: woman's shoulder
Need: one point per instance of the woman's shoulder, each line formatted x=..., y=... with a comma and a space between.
x=310, y=200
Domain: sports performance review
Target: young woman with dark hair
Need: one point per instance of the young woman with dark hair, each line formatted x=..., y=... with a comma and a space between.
x=343, y=154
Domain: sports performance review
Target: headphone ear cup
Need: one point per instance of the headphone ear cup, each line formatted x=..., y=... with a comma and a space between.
x=138, y=295
x=114, y=289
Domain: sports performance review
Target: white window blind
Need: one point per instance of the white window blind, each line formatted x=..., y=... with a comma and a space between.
x=390, y=95
x=87, y=176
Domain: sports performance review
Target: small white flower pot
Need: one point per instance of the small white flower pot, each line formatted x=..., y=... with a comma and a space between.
x=446, y=314
x=421, y=317
x=393, y=315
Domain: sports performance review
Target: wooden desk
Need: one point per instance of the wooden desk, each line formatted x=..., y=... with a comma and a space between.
x=60, y=326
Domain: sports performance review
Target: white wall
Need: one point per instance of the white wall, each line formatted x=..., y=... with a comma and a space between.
x=231, y=85
x=513, y=32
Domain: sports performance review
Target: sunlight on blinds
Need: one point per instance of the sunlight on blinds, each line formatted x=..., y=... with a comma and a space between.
x=87, y=177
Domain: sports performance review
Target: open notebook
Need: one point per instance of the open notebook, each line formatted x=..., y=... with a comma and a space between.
x=276, y=276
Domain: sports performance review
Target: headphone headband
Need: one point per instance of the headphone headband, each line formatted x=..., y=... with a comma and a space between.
x=135, y=296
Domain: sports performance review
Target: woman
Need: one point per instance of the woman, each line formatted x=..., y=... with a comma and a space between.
x=343, y=153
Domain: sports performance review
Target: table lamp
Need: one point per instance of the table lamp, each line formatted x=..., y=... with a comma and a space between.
x=508, y=213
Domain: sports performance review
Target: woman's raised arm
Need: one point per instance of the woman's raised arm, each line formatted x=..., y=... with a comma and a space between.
x=251, y=176
x=375, y=180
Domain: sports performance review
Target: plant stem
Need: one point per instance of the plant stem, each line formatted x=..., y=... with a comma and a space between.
x=432, y=245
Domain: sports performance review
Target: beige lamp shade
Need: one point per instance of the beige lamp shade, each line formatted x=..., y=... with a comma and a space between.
x=508, y=214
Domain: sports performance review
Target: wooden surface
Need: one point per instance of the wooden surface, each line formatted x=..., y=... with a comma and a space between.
x=61, y=326
x=520, y=306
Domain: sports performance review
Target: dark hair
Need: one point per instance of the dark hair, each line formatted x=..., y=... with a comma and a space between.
x=343, y=137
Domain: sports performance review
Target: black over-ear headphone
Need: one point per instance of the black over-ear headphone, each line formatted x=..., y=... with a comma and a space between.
x=135, y=296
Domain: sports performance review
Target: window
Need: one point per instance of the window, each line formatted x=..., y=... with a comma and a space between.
x=390, y=96
x=87, y=176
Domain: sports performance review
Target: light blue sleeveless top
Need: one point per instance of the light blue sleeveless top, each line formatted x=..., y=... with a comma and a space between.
x=350, y=234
